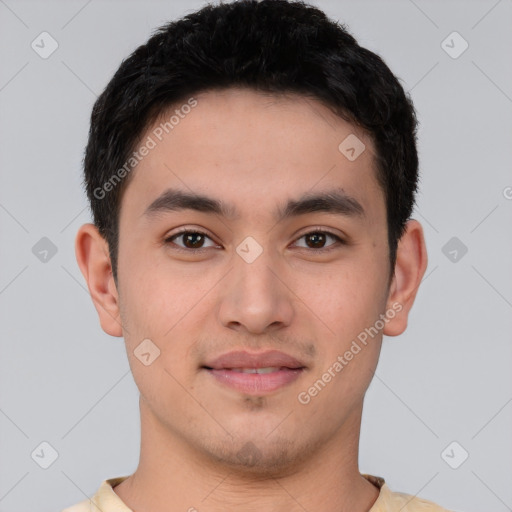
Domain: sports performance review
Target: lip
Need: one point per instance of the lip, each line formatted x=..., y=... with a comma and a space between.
x=224, y=370
x=244, y=359
x=255, y=383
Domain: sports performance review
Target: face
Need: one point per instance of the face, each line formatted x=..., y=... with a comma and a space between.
x=262, y=268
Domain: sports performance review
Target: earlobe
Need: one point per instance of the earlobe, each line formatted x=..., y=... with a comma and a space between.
x=93, y=258
x=411, y=263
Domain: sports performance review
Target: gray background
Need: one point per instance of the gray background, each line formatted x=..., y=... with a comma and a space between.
x=446, y=379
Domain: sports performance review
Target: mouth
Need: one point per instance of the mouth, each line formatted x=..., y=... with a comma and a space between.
x=255, y=374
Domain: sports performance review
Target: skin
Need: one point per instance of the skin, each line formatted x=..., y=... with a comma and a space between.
x=254, y=152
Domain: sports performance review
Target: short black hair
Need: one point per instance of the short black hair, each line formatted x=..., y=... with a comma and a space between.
x=271, y=46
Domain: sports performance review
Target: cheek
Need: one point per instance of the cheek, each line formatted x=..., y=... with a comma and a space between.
x=153, y=310
x=162, y=303
x=349, y=297
x=151, y=297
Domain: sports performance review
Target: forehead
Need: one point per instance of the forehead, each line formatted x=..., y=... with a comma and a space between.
x=250, y=149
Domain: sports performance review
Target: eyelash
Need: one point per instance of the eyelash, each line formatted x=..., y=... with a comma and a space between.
x=168, y=240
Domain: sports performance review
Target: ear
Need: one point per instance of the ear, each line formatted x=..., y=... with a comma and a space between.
x=411, y=263
x=93, y=258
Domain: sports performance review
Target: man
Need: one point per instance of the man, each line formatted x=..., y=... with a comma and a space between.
x=251, y=172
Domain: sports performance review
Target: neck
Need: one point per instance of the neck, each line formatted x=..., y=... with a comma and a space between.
x=173, y=476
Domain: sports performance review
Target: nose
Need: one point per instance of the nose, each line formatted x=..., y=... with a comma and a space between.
x=256, y=297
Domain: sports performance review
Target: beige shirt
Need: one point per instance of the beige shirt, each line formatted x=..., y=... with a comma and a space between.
x=106, y=500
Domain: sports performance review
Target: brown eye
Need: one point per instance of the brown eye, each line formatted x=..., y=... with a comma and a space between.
x=190, y=239
x=318, y=239
x=193, y=240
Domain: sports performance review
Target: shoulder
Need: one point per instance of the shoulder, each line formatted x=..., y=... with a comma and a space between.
x=104, y=500
x=390, y=501
x=82, y=506
x=407, y=502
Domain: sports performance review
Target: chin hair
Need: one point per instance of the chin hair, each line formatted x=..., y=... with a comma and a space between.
x=272, y=460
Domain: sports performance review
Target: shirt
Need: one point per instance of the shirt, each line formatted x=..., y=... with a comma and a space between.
x=106, y=500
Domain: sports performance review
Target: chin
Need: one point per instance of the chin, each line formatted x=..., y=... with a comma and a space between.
x=257, y=456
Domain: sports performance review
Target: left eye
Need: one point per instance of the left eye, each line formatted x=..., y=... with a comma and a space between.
x=196, y=239
x=317, y=239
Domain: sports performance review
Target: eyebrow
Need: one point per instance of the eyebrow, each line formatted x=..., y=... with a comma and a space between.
x=335, y=201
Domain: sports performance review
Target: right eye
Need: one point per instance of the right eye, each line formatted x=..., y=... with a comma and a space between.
x=192, y=239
